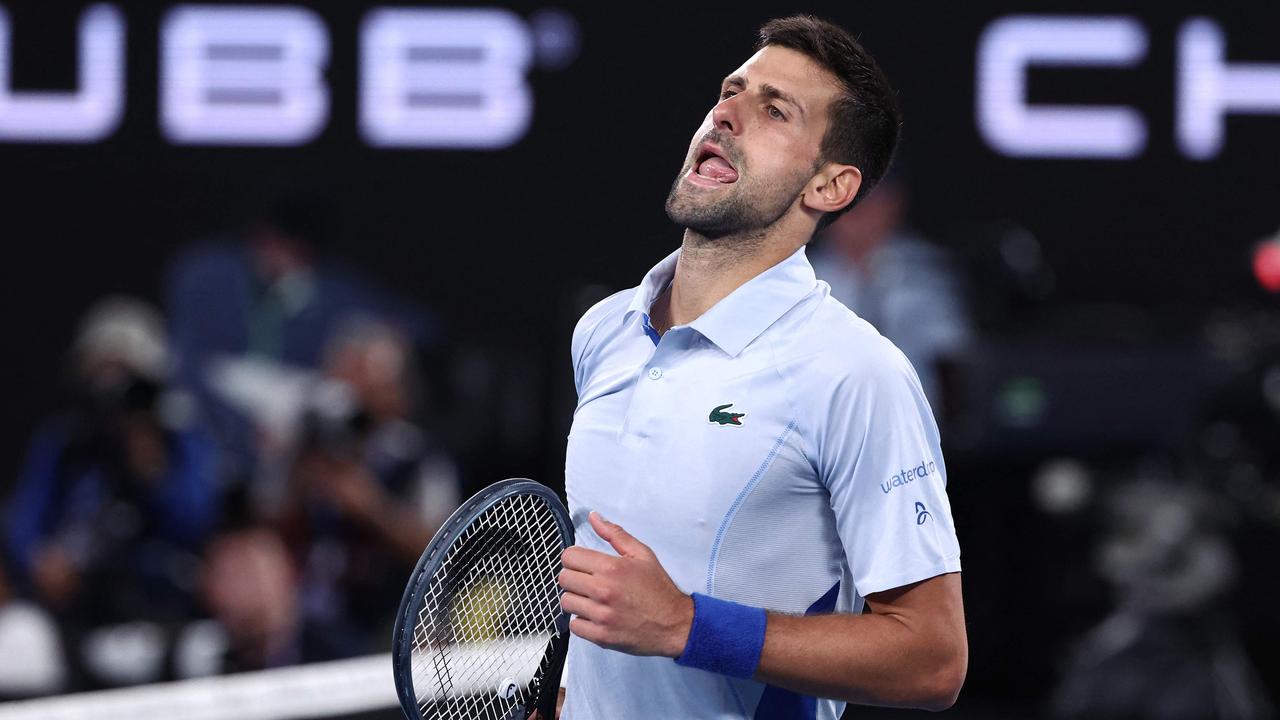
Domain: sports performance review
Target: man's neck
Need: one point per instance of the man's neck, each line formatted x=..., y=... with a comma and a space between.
x=707, y=271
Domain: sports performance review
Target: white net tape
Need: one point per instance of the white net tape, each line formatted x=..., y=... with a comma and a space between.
x=307, y=691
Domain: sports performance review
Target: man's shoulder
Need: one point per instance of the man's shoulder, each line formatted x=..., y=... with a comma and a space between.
x=845, y=377
x=598, y=316
x=614, y=305
x=834, y=343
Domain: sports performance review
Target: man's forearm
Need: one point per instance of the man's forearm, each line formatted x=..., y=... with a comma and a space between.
x=869, y=659
x=910, y=651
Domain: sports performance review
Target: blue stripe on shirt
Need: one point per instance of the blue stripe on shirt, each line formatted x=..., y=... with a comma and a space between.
x=779, y=704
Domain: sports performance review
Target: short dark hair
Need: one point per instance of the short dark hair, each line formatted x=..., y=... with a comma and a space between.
x=865, y=120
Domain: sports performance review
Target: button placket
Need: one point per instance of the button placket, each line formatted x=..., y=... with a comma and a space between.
x=650, y=400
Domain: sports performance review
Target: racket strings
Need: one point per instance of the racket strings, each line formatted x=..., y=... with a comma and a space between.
x=482, y=637
x=450, y=618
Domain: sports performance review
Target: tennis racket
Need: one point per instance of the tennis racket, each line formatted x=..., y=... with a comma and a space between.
x=480, y=632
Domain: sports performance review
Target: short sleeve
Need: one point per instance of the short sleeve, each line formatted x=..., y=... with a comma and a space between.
x=578, y=348
x=879, y=456
x=585, y=330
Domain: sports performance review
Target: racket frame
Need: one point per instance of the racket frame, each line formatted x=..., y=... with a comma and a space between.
x=416, y=589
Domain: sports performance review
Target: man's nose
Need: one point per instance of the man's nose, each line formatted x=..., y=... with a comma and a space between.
x=725, y=116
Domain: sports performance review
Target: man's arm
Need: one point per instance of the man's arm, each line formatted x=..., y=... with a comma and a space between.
x=909, y=651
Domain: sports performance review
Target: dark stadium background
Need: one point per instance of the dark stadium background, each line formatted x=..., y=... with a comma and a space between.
x=504, y=248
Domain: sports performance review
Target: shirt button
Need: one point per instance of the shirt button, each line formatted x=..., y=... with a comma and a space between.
x=655, y=373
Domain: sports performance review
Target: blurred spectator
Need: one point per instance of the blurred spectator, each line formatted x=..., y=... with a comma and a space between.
x=116, y=497
x=902, y=284
x=366, y=490
x=265, y=292
x=1168, y=650
x=250, y=586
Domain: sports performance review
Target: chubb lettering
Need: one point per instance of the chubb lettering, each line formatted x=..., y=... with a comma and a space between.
x=909, y=475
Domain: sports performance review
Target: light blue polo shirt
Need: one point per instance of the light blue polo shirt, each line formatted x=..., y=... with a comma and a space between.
x=776, y=452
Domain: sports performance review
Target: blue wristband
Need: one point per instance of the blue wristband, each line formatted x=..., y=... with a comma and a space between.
x=726, y=637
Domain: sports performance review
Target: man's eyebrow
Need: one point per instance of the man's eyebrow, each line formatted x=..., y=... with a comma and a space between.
x=772, y=92
x=769, y=91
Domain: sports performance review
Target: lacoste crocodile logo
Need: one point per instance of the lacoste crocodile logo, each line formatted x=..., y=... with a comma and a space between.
x=720, y=417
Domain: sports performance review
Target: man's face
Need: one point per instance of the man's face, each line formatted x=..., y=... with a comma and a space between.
x=755, y=151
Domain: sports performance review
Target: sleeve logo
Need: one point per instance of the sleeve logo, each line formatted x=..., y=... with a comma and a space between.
x=921, y=513
x=907, y=476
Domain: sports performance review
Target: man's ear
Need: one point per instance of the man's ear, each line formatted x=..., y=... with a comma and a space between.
x=832, y=188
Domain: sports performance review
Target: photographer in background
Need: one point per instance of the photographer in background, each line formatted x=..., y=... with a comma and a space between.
x=114, y=502
x=269, y=289
x=367, y=489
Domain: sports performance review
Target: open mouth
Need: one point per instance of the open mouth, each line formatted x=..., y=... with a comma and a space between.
x=710, y=163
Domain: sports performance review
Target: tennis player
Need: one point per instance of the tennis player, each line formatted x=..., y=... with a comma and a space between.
x=753, y=471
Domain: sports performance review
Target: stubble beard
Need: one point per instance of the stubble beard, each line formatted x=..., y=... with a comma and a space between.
x=745, y=210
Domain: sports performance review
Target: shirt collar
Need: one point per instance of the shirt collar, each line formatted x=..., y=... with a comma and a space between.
x=746, y=312
x=655, y=281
